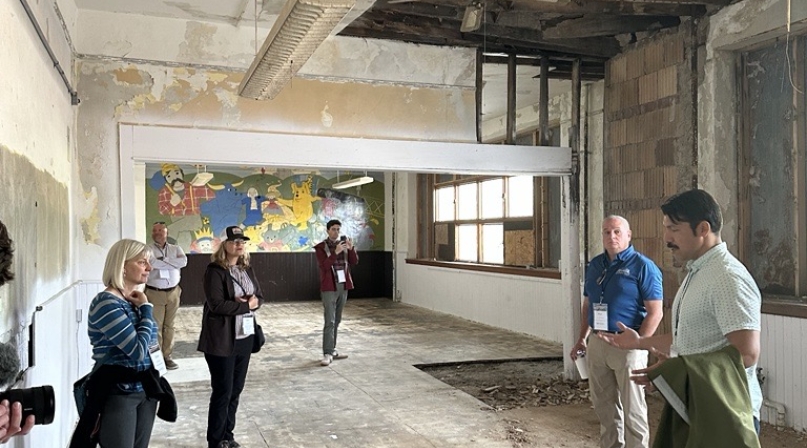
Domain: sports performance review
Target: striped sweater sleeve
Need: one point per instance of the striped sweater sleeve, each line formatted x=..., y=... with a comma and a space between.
x=110, y=323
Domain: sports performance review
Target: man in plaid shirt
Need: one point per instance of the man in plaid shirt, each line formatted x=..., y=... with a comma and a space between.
x=180, y=198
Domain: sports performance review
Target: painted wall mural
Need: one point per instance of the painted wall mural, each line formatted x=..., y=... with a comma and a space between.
x=280, y=210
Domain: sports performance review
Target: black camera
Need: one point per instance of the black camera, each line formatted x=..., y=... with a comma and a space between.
x=37, y=401
x=343, y=238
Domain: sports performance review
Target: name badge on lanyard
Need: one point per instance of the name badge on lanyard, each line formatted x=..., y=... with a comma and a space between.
x=601, y=316
x=157, y=359
x=340, y=276
x=248, y=325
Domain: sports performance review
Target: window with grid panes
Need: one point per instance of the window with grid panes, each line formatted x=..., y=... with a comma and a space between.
x=509, y=221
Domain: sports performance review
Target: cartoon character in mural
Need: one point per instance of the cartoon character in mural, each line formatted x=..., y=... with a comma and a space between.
x=180, y=198
x=274, y=243
x=205, y=242
x=256, y=242
x=275, y=214
x=180, y=201
x=301, y=203
x=254, y=209
x=225, y=209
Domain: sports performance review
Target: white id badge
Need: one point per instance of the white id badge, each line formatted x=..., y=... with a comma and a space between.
x=157, y=359
x=340, y=276
x=601, y=316
x=248, y=325
x=164, y=273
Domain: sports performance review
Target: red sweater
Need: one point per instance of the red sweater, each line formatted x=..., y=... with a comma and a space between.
x=326, y=280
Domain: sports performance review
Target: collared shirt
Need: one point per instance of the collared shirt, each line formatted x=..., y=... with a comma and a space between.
x=718, y=296
x=624, y=284
x=121, y=334
x=165, y=273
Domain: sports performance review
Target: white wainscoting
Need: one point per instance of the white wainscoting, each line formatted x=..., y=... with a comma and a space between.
x=784, y=342
x=527, y=305
x=62, y=354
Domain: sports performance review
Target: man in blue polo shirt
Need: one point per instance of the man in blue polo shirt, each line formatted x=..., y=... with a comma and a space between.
x=621, y=285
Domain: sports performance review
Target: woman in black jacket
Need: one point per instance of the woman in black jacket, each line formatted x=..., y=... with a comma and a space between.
x=228, y=326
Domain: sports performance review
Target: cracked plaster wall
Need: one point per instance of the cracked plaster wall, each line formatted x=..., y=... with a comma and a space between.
x=220, y=45
x=114, y=92
x=732, y=29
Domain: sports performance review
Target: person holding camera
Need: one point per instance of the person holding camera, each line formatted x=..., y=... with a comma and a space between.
x=232, y=293
x=335, y=256
x=125, y=386
x=10, y=420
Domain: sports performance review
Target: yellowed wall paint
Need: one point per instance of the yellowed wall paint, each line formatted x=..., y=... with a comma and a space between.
x=116, y=92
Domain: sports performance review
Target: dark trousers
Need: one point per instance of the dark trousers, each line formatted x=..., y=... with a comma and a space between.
x=227, y=377
x=127, y=420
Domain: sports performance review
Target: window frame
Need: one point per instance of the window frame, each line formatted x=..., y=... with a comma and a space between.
x=427, y=248
x=785, y=305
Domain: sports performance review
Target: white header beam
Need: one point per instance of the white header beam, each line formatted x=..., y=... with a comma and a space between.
x=223, y=147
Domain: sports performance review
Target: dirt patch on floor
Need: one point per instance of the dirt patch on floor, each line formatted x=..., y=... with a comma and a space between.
x=541, y=410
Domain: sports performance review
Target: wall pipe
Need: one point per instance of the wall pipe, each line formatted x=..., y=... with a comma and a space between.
x=73, y=94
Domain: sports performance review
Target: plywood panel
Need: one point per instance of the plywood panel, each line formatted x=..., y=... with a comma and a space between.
x=519, y=247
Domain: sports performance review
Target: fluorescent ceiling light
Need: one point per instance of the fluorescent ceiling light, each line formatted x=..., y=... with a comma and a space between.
x=298, y=31
x=352, y=182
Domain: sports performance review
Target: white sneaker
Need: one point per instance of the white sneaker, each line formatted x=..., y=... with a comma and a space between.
x=337, y=355
x=326, y=360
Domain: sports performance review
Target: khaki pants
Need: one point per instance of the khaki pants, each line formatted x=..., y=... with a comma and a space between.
x=166, y=305
x=618, y=401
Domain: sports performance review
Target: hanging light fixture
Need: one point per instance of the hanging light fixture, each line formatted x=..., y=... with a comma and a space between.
x=352, y=182
x=298, y=31
x=472, y=19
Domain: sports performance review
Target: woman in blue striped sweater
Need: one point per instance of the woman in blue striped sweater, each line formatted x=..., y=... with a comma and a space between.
x=121, y=329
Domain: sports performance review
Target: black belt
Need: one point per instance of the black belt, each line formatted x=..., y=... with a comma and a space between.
x=161, y=289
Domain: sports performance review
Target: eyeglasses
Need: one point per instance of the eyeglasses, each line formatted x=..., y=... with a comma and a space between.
x=237, y=242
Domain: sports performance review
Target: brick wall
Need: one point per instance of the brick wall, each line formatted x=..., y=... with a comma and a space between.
x=650, y=146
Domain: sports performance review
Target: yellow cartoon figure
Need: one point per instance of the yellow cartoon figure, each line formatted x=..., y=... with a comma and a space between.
x=302, y=204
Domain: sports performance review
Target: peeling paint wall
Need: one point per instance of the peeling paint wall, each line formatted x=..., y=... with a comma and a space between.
x=114, y=92
x=36, y=172
x=738, y=27
x=218, y=45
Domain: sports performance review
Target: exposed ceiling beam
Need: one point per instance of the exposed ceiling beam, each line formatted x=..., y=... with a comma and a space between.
x=690, y=2
x=560, y=69
x=635, y=8
x=592, y=26
x=493, y=37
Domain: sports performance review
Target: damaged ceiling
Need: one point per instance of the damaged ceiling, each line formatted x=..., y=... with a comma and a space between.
x=557, y=30
x=560, y=30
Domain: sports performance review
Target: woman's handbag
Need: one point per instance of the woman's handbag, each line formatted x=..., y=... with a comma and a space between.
x=258, y=339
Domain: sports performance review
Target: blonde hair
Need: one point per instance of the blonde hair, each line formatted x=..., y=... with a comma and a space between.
x=220, y=257
x=121, y=252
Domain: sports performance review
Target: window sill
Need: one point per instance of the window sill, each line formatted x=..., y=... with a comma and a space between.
x=788, y=308
x=509, y=270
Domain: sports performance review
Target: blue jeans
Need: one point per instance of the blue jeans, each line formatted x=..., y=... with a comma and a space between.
x=333, y=302
x=127, y=420
x=756, y=425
